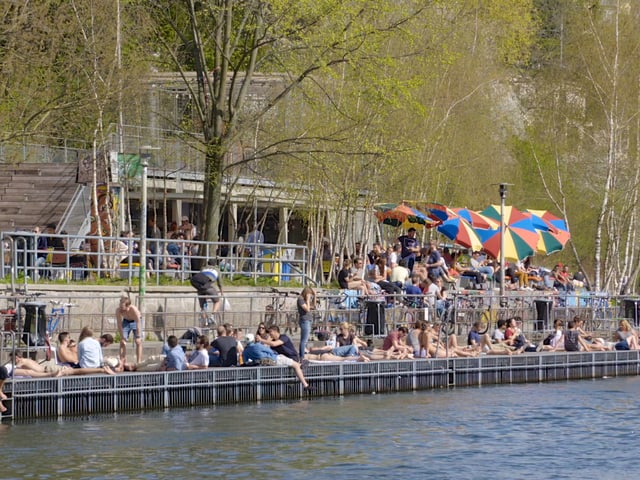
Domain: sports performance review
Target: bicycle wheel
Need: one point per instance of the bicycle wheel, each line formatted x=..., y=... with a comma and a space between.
x=486, y=319
x=448, y=321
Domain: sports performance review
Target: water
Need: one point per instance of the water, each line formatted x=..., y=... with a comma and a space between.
x=573, y=430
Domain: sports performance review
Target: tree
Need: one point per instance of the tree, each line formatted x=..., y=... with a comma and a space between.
x=585, y=139
x=228, y=42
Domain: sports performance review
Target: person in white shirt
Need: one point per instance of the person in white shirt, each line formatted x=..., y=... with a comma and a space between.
x=400, y=274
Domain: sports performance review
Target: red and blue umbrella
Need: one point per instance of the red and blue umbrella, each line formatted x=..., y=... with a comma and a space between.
x=553, y=236
x=476, y=219
x=461, y=233
x=437, y=211
x=401, y=215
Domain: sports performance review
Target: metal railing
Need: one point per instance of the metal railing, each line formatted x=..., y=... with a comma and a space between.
x=117, y=258
x=175, y=311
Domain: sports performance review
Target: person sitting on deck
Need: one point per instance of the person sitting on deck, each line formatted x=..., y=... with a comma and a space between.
x=90, y=357
x=175, y=359
x=573, y=341
x=347, y=336
x=67, y=350
x=4, y=375
x=499, y=342
x=281, y=344
x=431, y=347
x=484, y=343
x=226, y=346
x=626, y=336
x=256, y=353
x=514, y=334
x=395, y=343
x=199, y=358
x=555, y=340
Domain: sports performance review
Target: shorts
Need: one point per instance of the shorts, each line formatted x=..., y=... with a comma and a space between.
x=283, y=361
x=129, y=326
x=210, y=293
x=622, y=345
x=50, y=366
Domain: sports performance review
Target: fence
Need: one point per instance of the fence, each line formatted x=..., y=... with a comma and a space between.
x=74, y=396
x=118, y=259
x=172, y=310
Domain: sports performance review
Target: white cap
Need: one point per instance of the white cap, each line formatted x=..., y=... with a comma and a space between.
x=250, y=337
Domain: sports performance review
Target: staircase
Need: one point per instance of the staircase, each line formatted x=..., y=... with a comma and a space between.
x=35, y=193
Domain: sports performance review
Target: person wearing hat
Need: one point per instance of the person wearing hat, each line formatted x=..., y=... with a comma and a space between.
x=410, y=247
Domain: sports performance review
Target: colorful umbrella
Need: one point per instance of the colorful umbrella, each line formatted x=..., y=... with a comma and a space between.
x=553, y=236
x=520, y=240
x=476, y=219
x=437, y=211
x=549, y=218
x=549, y=242
x=460, y=232
x=400, y=215
x=511, y=214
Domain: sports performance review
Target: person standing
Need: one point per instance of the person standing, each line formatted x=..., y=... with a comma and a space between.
x=306, y=303
x=129, y=320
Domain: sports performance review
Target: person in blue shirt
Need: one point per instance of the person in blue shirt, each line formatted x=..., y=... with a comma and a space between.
x=175, y=359
x=254, y=352
x=414, y=293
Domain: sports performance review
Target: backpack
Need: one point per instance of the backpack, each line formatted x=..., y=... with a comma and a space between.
x=547, y=340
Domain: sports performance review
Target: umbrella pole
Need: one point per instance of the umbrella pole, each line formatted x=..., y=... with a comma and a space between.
x=503, y=196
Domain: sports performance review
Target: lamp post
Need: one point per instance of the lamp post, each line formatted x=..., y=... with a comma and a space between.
x=503, y=196
x=142, y=270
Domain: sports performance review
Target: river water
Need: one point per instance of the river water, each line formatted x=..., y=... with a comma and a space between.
x=574, y=430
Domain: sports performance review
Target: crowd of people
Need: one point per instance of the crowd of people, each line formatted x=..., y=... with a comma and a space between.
x=269, y=347
x=411, y=273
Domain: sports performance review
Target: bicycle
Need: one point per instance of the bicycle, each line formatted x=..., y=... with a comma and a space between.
x=464, y=306
x=276, y=312
x=58, y=317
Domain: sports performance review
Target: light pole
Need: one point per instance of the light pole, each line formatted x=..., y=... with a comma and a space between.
x=503, y=196
x=142, y=270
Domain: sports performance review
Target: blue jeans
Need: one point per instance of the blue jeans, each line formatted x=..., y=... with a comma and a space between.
x=345, y=351
x=305, y=333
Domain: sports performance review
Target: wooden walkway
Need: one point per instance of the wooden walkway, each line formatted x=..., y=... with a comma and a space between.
x=135, y=392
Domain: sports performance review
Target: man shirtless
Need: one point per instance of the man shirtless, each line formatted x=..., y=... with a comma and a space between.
x=67, y=352
x=128, y=319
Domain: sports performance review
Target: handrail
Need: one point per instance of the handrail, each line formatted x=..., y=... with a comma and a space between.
x=178, y=258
